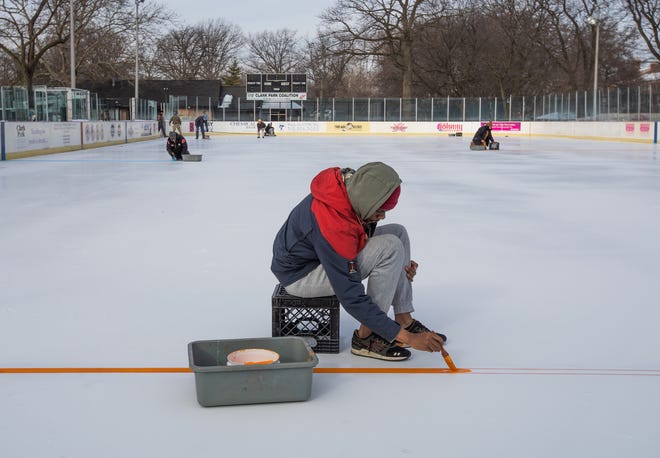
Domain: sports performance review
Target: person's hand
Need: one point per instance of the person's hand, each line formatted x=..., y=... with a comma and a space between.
x=425, y=341
x=411, y=270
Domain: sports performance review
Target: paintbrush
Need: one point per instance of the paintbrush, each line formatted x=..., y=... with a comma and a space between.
x=448, y=360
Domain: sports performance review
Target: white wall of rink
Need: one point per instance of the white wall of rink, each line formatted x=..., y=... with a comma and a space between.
x=23, y=139
x=627, y=131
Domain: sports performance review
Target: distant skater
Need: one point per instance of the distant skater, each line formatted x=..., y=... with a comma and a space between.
x=161, y=124
x=261, y=128
x=175, y=122
x=200, y=124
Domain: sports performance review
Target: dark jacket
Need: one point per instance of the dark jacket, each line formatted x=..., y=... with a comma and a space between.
x=324, y=229
x=483, y=133
x=176, y=146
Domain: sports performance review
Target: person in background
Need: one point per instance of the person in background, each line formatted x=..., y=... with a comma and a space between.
x=176, y=146
x=161, y=123
x=483, y=136
x=175, y=122
x=200, y=125
x=206, y=122
x=330, y=243
x=270, y=130
x=261, y=128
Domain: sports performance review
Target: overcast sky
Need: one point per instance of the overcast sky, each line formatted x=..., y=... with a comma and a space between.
x=254, y=15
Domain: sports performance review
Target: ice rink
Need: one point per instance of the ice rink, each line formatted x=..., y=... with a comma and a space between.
x=540, y=261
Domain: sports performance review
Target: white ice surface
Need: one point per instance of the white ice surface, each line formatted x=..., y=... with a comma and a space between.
x=543, y=255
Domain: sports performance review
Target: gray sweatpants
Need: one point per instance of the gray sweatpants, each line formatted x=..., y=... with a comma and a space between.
x=381, y=261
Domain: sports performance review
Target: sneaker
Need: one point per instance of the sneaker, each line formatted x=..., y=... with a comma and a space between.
x=374, y=346
x=416, y=327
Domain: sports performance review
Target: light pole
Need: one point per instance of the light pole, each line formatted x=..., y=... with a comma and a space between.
x=137, y=47
x=73, y=46
x=165, y=89
x=595, y=21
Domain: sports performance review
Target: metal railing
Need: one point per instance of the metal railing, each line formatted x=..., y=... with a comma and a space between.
x=639, y=103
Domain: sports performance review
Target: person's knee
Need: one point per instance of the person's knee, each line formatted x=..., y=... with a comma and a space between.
x=392, y=245
x=399, y=230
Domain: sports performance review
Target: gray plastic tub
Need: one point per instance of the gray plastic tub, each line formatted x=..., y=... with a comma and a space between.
x=192, y=157
x=477, y=147
x=219, y=385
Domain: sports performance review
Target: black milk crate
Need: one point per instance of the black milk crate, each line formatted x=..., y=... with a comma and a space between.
x=315, y=317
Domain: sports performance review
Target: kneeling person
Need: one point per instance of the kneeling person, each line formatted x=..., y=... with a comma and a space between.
x=484, y=136
x=176, y=146
x=330, y=243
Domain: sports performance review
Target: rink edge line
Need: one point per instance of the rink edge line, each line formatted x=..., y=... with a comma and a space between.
x=350, y=370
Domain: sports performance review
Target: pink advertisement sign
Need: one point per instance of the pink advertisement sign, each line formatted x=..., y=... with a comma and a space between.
x=505, y=126
x=449, y=127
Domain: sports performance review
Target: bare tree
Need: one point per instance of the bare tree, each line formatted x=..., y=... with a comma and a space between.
x=28, y=29
x=475, y=47
x=107, y=61
x=8, y=75
x=572, y=42
x=35, y=34
x=515, y=63
x=568, y=44
x=379, y=28
x=646, y=16
x=274, y=52
x=203, y=51
x=326, y=70
x=102, y=50
x=449, y=53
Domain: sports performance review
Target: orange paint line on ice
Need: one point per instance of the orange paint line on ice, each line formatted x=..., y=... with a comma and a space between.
x=569, y=372
x=388, y=370
x=563, y=369
x=318, y=370
x=91, y=370
x=351, y=370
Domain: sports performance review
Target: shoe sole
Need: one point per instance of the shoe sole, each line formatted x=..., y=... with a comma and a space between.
x=369, y=354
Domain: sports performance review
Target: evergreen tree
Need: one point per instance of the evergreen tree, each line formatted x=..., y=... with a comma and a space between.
x=233, y=77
